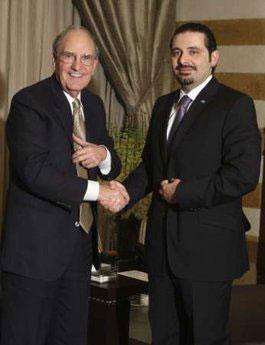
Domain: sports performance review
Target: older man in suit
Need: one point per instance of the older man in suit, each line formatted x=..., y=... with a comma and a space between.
x=58, y=143
x=202, y=154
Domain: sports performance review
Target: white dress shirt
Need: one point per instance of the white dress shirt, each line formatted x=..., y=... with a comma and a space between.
x=92, y=191
x=192, y=95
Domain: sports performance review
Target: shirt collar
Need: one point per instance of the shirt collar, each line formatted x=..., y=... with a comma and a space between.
x=194, y=92
x=70, y=99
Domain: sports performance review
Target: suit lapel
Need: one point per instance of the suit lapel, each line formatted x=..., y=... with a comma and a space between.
x=62, y=108
x=171, y=99
x=200, y=103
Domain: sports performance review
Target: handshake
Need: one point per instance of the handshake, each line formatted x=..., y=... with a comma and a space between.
x=113, y=197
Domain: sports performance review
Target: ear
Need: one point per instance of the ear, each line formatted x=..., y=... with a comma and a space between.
x=95, y=63
x=214, y=58
x=53, y=60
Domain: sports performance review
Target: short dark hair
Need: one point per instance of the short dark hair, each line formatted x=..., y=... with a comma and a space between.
x=210, y=41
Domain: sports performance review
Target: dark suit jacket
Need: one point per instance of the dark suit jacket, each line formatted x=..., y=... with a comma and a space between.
x=44, y=191
x=216, y=153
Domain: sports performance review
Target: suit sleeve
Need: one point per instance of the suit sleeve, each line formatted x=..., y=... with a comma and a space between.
x=239, y=170
x=28, y=137
x=137, y=184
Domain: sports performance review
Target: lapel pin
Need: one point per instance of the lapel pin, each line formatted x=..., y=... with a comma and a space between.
x=203, y=101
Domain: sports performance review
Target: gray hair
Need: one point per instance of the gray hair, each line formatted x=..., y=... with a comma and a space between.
x=57, y=41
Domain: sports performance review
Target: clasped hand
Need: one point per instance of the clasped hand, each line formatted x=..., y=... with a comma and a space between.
x=113, y=197
x=168, y=190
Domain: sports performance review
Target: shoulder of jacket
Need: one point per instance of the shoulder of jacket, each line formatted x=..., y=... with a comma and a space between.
x=231, y=93
x=36, y=91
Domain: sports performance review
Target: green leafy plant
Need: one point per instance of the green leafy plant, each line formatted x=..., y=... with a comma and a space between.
x=129, y=143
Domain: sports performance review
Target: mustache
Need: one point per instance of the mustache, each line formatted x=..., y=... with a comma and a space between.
x=181, y=65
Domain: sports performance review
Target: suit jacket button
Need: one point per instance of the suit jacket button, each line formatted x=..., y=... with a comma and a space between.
x=77, y=224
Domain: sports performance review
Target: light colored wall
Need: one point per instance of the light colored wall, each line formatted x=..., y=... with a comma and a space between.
x=240, y=30
x=219, y=9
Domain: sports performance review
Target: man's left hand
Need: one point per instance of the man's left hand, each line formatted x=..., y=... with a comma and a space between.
x=88, y=155
x=168, y=190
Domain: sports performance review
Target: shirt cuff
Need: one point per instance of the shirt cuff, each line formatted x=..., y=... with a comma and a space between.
x=105, y=166
x=92, y=191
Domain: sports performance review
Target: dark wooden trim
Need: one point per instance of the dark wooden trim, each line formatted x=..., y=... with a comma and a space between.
x=253, y=199
x=252, y=84
x=237, y=32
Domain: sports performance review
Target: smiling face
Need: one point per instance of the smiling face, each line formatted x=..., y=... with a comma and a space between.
x=73, y=74
x=191, y=61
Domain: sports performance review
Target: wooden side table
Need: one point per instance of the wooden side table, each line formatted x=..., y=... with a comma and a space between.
x=110, y=310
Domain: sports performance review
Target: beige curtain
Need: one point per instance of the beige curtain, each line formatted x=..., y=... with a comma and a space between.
x=133, y=36
x=27, y=28
x=114, y=109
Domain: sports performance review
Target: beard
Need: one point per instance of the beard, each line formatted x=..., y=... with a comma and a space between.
x=183, y=79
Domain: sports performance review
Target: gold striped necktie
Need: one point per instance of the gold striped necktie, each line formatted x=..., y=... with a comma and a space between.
x=79, y=130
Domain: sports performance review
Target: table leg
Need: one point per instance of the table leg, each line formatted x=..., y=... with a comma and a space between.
x=109, y=322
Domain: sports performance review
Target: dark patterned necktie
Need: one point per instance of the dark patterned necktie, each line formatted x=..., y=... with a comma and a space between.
x=181, y=108
x=79, y=129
